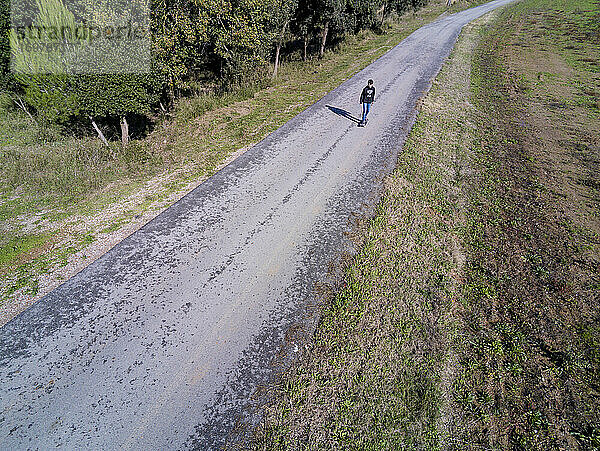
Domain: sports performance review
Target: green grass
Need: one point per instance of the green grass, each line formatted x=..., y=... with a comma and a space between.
x=114, y=226
x=191, y=108
x=17, y=246
x=21, y=274
x=18, y=129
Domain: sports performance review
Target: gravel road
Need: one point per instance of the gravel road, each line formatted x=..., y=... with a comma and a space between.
x=163, y=341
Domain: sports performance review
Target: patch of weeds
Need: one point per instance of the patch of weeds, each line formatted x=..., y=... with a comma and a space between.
x=194, y=107
x=588, y=437
x=12, y=251
x=22, y=277
x=591, y=103
x=21, y=280
x=112, y=228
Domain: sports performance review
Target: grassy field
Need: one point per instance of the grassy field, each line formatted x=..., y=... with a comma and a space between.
x=64, y=200
x=469, y=316
x=530, y=369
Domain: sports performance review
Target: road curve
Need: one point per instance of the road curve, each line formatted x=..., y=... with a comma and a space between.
x=162, y=342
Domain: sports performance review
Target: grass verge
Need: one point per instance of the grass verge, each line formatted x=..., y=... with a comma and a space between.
x=469, y=315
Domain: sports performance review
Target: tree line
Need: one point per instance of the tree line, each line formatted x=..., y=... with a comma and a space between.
x=194, y=45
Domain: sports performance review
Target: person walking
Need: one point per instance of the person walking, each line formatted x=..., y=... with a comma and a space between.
x=367, y=97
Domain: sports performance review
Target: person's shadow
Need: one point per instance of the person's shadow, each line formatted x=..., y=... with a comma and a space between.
x=343, y=113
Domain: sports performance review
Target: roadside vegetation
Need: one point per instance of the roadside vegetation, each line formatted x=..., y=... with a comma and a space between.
x=468, y=319
x=65, y=197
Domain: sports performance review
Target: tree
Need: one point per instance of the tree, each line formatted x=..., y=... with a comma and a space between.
x=303, y=24
x=329, y=14
x=419, y=3
x=58, y=94
x=399, y=6
x=363, y=14
x=230, y=39
x=241, y=38
x=119, y=96
x=180, y=30
x=282, y=15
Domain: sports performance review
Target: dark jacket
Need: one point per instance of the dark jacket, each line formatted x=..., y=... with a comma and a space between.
x=368, y=94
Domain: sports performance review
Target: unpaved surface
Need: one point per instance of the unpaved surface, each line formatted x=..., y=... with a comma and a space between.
x=160, y=343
